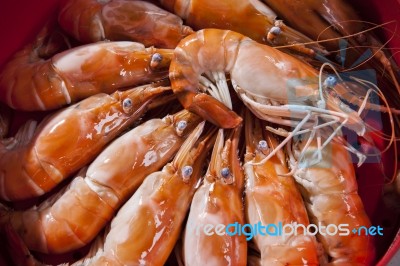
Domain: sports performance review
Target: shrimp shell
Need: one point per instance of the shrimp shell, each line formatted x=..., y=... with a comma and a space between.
x=272, y=199
x=147, y=227
x=119, y=20
x=76, y=217
x=329, y=189
x=217, y=201
x=31, y=83
x=35, y=162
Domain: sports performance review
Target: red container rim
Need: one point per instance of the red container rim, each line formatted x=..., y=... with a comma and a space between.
x=21, y=20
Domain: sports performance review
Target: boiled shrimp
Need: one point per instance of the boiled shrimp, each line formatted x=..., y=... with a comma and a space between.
x=248, y=17
x=30, y=83
x=74, y=218
x=280, y=89
x=147, y=227
x=329, y=188
x=272, y=199
x=332, y=20
x=36, y=160
x=121, y=20
x=218, y=202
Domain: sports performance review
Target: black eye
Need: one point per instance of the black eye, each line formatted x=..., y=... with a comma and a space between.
x=127, y=105
x=225, y=173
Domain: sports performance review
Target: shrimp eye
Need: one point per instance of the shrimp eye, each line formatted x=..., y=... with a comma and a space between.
x=275, y=30
x=127, y=105
x=187, y=171
x=181, y=126
x=225, y=173
x=155, y=60
x=330, y=82
x=227, y=176
x=262, y=145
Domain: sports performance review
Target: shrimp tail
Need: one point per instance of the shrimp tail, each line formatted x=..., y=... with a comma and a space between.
x=210, y=109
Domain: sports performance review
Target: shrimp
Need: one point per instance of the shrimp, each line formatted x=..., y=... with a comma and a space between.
x=74, y=218
x=120, y=20
x=35, y=162
x=148, y=225
x=329, y=188
x=248, y=17
x=217, y=203
x=333, y=20
x=30, y=83
x=275, y=86
x=272, y=198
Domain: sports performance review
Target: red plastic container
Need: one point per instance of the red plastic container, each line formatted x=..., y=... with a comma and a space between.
x=21, y=20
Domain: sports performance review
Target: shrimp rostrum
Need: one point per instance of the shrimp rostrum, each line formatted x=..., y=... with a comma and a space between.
x=275, y=86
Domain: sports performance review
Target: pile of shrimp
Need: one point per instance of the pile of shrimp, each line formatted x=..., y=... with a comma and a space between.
x=175, y=132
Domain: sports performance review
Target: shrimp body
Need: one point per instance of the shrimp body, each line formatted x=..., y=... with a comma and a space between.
x=333, y=20
x=30, y=83
x=147, y=227
x=35, y=162
x=272, y=199
x=321, y=15
x=248, y=17
x=280, y=89
x=75, y=217
x=120, y=20
x=329, y=189
x=217, y=201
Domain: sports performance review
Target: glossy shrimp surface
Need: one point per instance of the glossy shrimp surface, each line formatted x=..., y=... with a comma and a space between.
x=218, y=201
x=339, y=22
x=248, y=17
x=36, y=161
x=272, y=198
x=77, y=215
x=329, y=188
x=318, y=17
x=147, y=227
x=121, y=20
x=280, y=89
x=30, y=83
